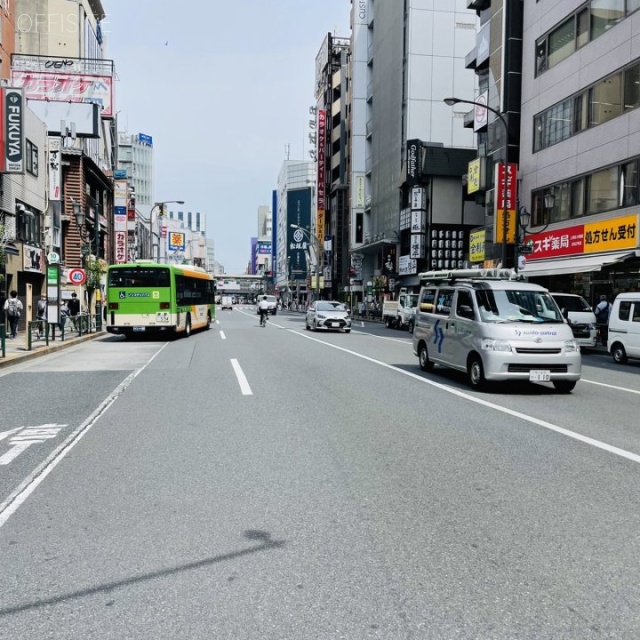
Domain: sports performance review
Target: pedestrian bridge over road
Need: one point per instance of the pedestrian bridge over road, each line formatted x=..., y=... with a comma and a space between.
x=243, y=286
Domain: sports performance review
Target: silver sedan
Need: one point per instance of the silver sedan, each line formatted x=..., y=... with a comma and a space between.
x=328, y=314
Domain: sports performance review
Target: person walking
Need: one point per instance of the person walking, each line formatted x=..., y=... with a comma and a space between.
x=13, y=308
x=602, y=311
x=74, y=309
x=41, y=315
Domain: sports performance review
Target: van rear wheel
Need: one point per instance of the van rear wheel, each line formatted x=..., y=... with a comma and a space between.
x=618, y=353
x=423, y=358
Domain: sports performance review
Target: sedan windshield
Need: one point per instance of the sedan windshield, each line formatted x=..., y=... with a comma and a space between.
x=330, y=306
x=517, y=306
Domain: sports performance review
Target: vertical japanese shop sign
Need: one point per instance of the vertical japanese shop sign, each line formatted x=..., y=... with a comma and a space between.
x=13, y=122
x=507, y=196
x=322, y=141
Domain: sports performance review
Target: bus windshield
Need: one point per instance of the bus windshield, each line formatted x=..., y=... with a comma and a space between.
x=136, y=277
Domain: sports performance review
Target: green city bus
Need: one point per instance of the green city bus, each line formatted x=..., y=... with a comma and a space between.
x=145, y=297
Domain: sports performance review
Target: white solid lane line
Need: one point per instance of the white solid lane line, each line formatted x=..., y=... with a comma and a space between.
x=516, y=414
x=610, y=386
x=242, y=379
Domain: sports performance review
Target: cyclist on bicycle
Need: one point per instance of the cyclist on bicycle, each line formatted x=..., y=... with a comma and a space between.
x=263, y=306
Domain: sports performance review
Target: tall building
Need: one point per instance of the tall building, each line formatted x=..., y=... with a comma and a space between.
x=564, y=76
x=135, y=156
x=331, y=136
x=294, y=208
x=57, y=41
x=8, y=17
x=408, y=152
x=261, y=249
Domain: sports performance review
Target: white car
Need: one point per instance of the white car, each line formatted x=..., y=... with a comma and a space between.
x=328, y=314
x=273, y=305
x=580, y=316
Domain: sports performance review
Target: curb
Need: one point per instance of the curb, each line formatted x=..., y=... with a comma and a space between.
x=17, y=357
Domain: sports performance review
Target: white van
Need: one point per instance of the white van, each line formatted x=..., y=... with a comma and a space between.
x=581, y=317
x=624, y=327
x=494, y=326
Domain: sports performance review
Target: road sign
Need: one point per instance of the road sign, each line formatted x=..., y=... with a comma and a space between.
x=53, y=258
x=77, y=276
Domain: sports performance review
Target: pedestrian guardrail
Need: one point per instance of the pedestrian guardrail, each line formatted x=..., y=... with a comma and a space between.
x=3, y=338
x=41, y=329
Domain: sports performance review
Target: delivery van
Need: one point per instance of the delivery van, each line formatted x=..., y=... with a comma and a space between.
x=624, y=327
x=226, y=303
x=493, y=326
x=581, y=317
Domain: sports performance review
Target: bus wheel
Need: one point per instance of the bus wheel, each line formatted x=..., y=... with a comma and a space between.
x=187, y=327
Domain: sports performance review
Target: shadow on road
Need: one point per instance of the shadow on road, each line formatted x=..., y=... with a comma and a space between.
x=266, y=543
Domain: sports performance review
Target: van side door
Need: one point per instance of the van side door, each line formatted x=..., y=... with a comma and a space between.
x=462, y=325
x=443, y=328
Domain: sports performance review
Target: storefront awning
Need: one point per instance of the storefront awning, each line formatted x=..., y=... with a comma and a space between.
x=572, y=265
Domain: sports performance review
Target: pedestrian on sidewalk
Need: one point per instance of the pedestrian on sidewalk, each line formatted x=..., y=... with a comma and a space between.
x=64, y=313
x=41, y=315
x=602, y=318
x=74, y=309
x=13, y=308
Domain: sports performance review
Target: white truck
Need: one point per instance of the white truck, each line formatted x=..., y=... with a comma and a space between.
x=400, y=313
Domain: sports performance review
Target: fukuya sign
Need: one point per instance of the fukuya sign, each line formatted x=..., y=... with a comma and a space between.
x=13, y=131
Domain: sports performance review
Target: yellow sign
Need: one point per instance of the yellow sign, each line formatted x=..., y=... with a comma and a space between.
x=320, y=228
x=498, y=226
x=611, y=235
x=476, y=246
x=473, y=176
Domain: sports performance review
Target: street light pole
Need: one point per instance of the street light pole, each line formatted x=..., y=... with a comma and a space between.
x=314, y=239
x=505, y=173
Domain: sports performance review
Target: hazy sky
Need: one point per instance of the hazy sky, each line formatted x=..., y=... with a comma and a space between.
x=222, y=86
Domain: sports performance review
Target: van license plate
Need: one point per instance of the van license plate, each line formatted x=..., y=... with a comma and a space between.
x=539, y=375
x=139, y=328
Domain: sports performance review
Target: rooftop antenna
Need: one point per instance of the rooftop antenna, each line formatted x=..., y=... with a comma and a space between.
x=287, y=149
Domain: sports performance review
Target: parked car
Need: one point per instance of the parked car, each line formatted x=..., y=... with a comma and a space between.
x=328, y=314
x=272, y=309
x=580, y=317
x=624, y=327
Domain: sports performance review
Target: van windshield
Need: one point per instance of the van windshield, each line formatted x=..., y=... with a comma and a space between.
x=517, y=306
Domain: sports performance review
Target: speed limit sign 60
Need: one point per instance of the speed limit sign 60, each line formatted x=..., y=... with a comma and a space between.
x=77, y=276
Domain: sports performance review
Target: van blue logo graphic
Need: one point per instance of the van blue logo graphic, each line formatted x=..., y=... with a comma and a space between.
x=438, y=335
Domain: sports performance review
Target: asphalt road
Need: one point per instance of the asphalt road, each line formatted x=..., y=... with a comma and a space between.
x=273, y=483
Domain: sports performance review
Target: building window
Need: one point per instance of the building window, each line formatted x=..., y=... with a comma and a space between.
x=632, y=87
x=604, y=15
x=602, y=190
x=31, y=158
x=578, y=189
x=605, y=99
x=596, y=105
x=629, y=184
x=590, y=21
x=582, y=28
x=562, y=42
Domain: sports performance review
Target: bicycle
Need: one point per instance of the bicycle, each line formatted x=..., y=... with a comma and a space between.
x=263, y=319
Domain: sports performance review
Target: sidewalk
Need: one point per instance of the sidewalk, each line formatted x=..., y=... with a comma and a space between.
x=16, y=350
